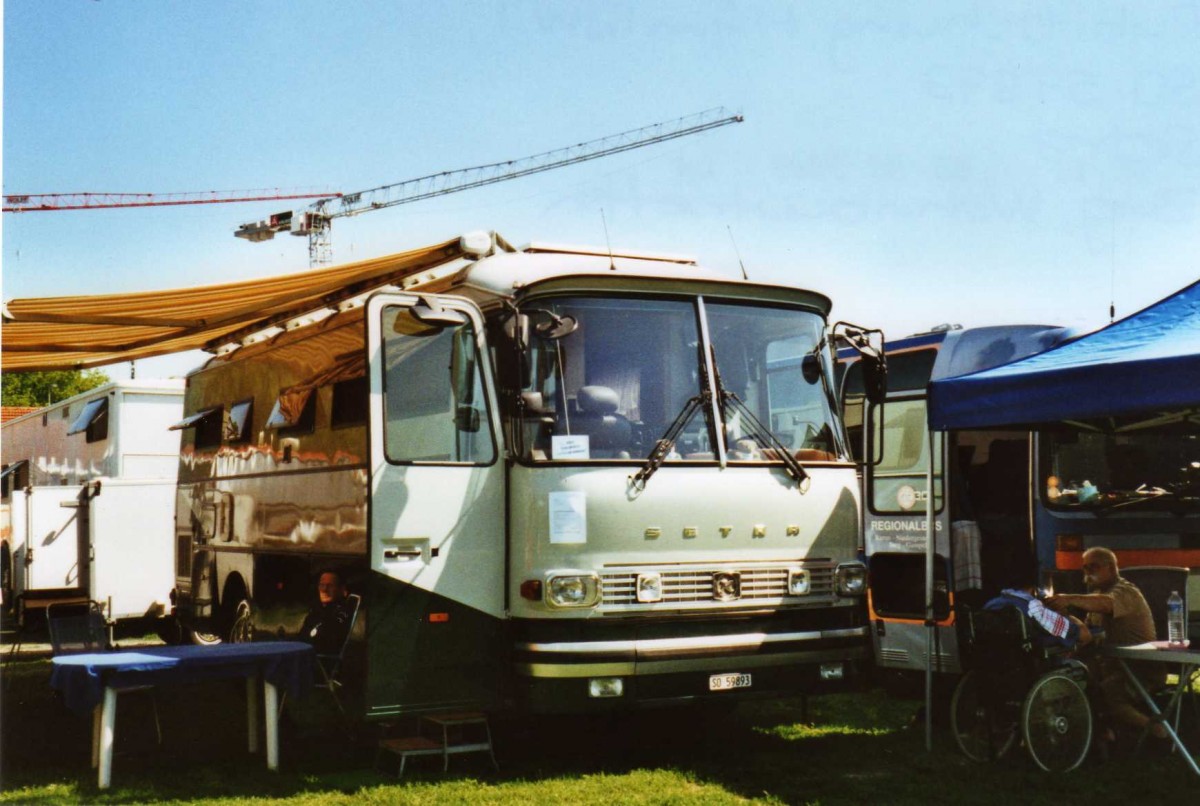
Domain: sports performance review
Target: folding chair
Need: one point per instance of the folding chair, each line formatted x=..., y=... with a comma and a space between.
x=81, y=628
x=329, y=666
x=38, y=601
x=77, y=628
x=1156, y=582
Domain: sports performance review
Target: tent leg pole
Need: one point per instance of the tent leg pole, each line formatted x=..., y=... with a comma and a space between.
x=930, y=624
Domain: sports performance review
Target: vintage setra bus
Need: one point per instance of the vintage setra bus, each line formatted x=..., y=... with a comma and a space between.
x=561, y=479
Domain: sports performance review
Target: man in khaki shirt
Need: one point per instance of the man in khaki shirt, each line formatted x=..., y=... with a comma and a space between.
x=1117, y=607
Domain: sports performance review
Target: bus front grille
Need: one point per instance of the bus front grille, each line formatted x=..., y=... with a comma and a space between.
x=694, y=586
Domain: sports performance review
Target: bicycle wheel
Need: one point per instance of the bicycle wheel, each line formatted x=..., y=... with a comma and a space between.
x=981, y=727
x=1056, y=722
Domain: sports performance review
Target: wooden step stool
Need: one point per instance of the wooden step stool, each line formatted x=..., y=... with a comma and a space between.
x=454, y=728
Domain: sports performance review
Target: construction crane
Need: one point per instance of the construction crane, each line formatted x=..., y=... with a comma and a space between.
x=44, y=202
x=315, y=222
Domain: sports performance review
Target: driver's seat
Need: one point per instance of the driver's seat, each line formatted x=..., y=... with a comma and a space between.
x=610, y=434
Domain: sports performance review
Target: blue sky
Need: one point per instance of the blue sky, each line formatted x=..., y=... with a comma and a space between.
x=979, y=163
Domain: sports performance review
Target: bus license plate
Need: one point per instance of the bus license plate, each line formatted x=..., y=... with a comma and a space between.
x=722, y=682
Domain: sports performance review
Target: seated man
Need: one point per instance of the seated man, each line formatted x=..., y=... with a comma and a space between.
x=1117, y=606
x=328, y=624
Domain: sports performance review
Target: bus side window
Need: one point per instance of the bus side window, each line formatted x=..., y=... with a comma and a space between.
x=434, y=406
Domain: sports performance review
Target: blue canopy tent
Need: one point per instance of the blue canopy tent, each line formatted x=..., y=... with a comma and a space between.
x=1149, y=361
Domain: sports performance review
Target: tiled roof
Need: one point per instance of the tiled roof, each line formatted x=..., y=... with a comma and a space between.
x=10, y=412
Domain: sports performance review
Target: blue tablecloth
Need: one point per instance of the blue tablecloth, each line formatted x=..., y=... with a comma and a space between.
x=82, y=678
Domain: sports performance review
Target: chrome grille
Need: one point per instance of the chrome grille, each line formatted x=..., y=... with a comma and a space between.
x=692, y=586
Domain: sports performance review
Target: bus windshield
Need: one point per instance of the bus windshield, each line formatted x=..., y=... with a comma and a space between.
x=610, y=388
x=1145, y=463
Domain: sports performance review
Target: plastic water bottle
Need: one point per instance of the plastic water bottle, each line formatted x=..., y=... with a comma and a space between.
x=1175, y=631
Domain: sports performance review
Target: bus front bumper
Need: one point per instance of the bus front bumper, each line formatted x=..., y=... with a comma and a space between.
x=578, y=675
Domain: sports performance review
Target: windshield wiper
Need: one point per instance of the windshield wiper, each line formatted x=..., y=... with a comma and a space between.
x=1146, y=493
x=762, y=436
x=663, y=447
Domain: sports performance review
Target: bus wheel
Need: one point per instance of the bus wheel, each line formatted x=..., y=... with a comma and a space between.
x=202, y=637
x=169, y=631
x=202, y=633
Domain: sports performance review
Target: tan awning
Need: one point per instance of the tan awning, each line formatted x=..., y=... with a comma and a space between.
x=81, y=332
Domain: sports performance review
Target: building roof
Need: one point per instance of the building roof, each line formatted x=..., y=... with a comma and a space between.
x=12, y=412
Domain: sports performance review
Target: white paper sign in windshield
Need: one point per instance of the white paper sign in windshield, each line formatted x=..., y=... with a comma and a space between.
x=570, y=446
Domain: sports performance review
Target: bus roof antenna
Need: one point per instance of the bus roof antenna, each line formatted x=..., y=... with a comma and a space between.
x=1112, y=266
x=612, y=264
x=738, y=253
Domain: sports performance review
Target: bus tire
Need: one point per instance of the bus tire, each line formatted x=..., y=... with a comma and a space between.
x=169, y=631
x=202, y=637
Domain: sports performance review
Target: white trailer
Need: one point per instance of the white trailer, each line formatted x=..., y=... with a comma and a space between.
x=88, y=499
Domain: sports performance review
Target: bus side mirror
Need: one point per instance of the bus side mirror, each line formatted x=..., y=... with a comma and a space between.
x=872, y=438
x=810, y=368
x=462, y=367
x=874, y=375
x=466, y=419
x=516, y=330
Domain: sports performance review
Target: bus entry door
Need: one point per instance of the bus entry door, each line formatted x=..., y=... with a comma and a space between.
x=436, y=593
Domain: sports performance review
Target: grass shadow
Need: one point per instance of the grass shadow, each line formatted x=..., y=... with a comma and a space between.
x=853, y=748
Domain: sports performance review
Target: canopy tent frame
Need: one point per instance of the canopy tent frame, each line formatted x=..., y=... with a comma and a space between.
x=1148, y=361
x=1145, y=364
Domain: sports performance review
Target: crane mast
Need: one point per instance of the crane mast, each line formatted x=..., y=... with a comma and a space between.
x=315, y=222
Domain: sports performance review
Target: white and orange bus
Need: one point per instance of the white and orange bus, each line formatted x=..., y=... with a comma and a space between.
x=1004, y=497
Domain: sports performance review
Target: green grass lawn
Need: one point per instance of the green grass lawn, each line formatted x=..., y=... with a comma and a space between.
x=854, y=748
